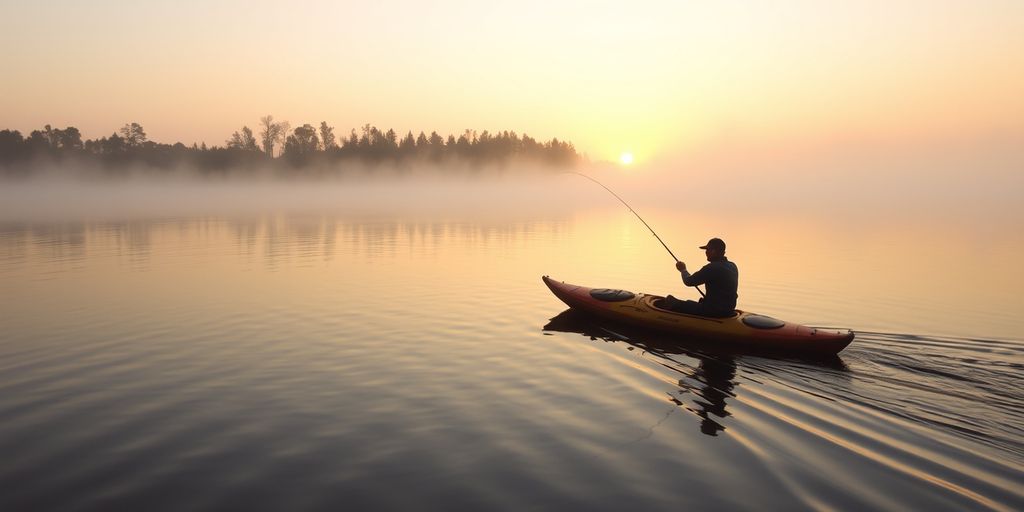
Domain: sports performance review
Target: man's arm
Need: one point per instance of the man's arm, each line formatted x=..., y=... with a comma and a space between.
x=689, y=279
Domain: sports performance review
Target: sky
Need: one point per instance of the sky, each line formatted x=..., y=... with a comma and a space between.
x=663, y=80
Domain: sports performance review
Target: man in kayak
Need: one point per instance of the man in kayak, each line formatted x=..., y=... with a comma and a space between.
x=721, y=277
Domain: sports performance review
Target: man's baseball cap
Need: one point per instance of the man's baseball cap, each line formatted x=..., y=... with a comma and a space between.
x=714, y=243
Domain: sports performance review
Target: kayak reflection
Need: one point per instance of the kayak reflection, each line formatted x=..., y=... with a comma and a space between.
x=703, y=387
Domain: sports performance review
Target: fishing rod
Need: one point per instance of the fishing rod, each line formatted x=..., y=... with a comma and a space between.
x=623, y=201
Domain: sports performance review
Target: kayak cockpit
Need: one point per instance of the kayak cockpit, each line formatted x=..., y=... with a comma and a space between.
x=652, y=301
x=609, y=295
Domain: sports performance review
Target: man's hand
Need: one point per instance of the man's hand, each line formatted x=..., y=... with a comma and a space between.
x=680, y=266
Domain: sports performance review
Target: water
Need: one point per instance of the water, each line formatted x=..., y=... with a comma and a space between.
x=323, y=358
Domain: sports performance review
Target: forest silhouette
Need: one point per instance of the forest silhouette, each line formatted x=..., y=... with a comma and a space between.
x=277, y=146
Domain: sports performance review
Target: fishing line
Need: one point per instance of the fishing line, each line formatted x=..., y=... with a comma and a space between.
x=623, y=201
x=630, y=209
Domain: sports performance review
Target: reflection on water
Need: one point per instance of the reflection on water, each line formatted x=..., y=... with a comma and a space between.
x=311, y=361
x=716, y=377
x=704, y=388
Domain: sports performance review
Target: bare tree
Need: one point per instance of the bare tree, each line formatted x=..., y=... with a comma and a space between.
x=282, y=133
x=269, y=133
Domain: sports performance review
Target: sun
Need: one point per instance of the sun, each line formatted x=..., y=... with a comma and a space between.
x=626, y=158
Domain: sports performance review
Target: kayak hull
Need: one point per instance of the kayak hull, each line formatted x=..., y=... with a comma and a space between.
x=744, y=328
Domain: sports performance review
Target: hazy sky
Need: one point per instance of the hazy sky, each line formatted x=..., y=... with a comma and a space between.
x=657, y=78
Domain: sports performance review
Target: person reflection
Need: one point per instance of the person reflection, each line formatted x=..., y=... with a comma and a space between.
x=716, y=380
x=706, y=386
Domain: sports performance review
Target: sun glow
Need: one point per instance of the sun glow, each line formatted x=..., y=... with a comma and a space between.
x=626, y=158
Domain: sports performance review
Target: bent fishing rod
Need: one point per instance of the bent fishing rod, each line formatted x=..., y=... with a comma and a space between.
x=623, y=201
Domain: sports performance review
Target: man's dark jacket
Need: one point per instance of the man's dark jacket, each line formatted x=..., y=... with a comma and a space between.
x=722, y=279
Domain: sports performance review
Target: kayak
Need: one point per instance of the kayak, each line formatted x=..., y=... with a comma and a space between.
x=743, y=328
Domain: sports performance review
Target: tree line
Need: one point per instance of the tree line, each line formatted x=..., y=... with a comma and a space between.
x=276, y=144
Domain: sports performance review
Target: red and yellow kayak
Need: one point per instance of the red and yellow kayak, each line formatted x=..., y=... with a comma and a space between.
x=745, y=328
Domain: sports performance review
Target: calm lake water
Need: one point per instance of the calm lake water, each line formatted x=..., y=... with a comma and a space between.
x=397, y=355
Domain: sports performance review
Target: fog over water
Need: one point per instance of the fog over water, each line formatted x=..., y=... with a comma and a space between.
x=949, y=186
x=53, y=197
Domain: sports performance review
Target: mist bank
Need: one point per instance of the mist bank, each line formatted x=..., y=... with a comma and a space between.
x=523, y=191
x=659, y=195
